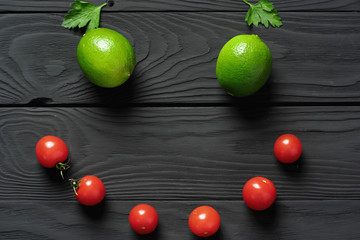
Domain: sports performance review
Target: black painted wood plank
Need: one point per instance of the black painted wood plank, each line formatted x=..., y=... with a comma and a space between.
x=285, y=220
x=179, y=5
x=182, y=153
x=315, y=59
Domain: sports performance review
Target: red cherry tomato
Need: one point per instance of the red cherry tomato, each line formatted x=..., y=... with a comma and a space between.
x=51, y=150
x=143, y=219
x=89, y=190
x=204, y=221
x=287, y=148
x=259, y=193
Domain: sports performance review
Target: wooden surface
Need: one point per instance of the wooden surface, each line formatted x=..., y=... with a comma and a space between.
x=189, y=153
x=313, y=61
x=285, y=220
x=180, y=5
x=170, y=136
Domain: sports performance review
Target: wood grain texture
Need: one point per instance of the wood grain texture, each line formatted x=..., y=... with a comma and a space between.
x=284, y=220
x=170, y=136
x=182, y=153
x=315, y=59
x=180, y=5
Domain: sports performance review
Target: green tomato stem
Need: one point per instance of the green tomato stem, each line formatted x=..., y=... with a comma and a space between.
x=74, y=184
x=62, y=167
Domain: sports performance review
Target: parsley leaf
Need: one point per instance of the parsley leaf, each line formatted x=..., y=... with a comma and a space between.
x=262, y=12
x=82, y=14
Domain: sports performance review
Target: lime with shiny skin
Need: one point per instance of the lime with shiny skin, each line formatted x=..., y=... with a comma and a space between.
x=106, y=57
x=243, y=65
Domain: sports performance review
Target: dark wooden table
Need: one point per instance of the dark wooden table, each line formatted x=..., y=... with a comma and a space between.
x=170, y=136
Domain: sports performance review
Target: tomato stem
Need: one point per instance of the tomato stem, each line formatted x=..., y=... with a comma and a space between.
x=74, y=184
x=62, y=167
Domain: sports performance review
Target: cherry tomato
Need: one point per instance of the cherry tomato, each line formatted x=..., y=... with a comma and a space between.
x=89, y=190
x=52, y=152
x=204, y=221
x=143, y=219
x=259, y=193
x=287, y=148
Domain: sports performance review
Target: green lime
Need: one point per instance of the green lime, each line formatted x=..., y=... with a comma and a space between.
x=106, y=57
x=244, y=65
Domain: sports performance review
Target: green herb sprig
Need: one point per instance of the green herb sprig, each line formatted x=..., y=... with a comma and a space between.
x=83, y=14
x=262, y=12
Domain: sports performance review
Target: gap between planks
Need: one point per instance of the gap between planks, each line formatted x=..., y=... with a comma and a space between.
x=245, y=103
